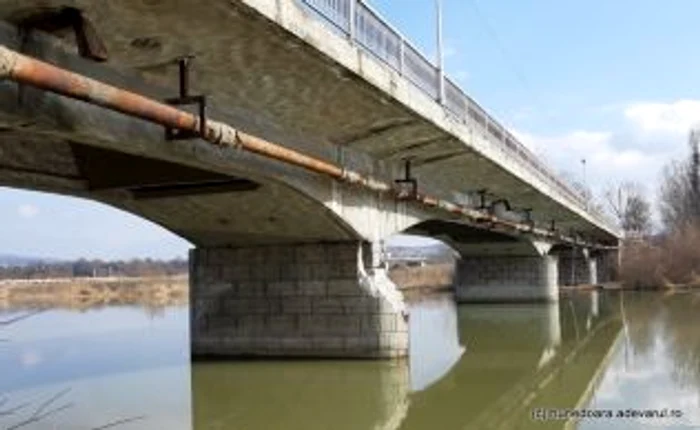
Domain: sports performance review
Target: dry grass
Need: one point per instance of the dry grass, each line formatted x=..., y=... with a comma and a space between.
x=431, y=276
x=675, y=262
x=86, y=293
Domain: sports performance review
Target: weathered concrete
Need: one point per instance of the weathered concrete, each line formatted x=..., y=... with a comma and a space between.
x=311, y=300
x=258, y=61
x=578, y=269
x=507, y=279
x=607, y=265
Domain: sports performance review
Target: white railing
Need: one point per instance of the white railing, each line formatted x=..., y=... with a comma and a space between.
x=369, y=30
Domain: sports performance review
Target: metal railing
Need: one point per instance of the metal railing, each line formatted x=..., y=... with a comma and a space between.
x=368, y=29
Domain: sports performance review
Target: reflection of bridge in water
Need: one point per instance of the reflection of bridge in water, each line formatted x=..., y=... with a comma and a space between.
x=538, y=356
x=527, y=357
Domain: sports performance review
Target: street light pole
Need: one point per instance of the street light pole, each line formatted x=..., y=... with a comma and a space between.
x=440, y=59
x=585, y=184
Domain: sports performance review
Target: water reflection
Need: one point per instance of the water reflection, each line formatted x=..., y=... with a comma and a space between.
x=300, y=395
x=657, y=365
x=83, y=370
x=514, y=361
x=433, y=354
x=475, y=366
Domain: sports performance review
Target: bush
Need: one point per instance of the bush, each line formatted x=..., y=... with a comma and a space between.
x=675, y=260
x=641, y=265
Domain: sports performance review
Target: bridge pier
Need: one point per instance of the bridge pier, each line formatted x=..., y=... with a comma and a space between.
x=507, y=279
x=581, y=269
x=608, y=265
x=303, y=300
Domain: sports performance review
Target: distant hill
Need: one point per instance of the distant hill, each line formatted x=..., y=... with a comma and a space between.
x=11, y=260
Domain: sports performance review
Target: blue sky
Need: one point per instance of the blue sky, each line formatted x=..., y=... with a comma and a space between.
x=614, y=82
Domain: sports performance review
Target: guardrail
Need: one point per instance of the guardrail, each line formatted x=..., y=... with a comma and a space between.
x=368, y=29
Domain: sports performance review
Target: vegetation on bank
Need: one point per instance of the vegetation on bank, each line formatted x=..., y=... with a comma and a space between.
x=436, y=276
x=664, y=261
x=82, y=268
x=85, y=293
x=669, y=257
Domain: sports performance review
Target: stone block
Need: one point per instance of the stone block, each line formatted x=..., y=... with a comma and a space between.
x=370, y=324
x=343, y=253
x=252, y=289
x=328, y=344
x=296, y=344
x=310, y=253
x=361, y=343
x=328, y=305
x=289, y=271
x=230, y=272
x=343, y=324
x=341, y=270
x=312, y=288
x=280, y=255
x=243, y=272
x=263, y=272
x=296, y=305
x=384, y=306
x=360, y=305
x=344, y=287
x=281, y=325
x=312, y=272
x=281, y=288
x=220, y=256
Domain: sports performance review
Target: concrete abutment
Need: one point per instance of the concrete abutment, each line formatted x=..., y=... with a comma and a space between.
x=295, y=300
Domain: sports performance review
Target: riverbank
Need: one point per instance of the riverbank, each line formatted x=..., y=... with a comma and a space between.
x=420, y=280
x=84, y=293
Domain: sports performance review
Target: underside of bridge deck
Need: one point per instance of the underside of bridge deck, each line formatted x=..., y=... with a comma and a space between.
x=287, y=260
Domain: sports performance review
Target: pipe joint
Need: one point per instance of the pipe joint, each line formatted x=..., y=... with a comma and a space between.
x=222, y=134
x=8, y=60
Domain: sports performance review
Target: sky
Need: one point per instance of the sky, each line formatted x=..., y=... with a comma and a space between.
x=613, y=82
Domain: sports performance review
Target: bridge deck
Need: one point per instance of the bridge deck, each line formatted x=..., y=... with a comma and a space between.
x=275, y=70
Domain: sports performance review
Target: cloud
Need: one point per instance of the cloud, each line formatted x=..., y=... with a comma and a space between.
x=27, y=211
x=676, y=117
x=30, y=359
x=648, y=135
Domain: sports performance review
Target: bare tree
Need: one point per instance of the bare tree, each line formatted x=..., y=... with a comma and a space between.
x=677, y=201
x=637, y=216
x=628, y=203
x=680, y=189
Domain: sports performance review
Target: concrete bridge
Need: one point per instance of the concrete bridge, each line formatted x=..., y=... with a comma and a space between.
x=323, y=134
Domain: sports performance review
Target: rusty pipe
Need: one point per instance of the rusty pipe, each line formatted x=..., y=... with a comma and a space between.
x=29, y=71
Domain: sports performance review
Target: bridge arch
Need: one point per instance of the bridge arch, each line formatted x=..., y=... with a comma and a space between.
x=470, y=241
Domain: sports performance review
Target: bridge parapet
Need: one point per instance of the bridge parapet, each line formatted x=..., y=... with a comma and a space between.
x=366, y=28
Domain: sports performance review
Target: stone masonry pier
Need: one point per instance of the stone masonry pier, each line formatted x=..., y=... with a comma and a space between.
x=507, y=279
x=578, y=267
x=305, y=300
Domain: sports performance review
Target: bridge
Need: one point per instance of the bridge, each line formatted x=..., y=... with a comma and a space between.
x=300, y=136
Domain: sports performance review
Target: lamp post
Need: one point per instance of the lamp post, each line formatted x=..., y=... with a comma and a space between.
x=585, y=184
x=440, y=59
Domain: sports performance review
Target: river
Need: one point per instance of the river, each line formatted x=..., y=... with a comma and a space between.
x=470, y=367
